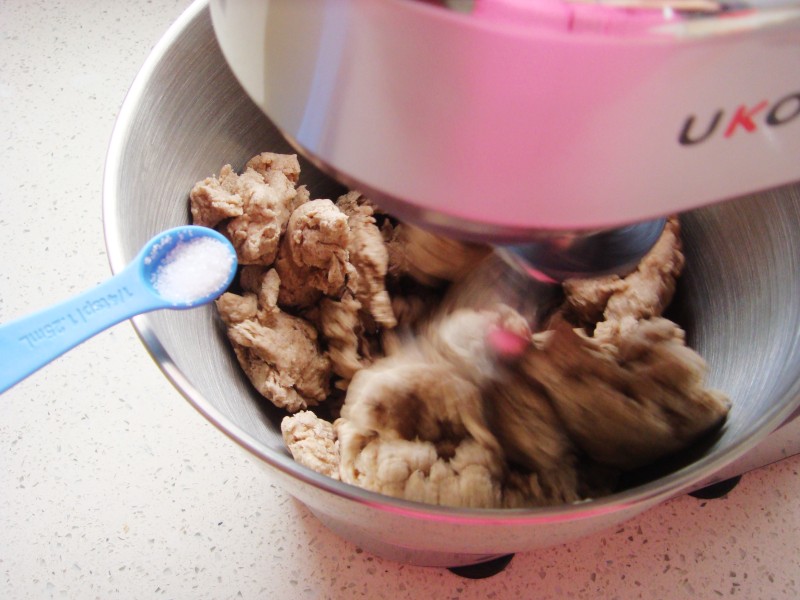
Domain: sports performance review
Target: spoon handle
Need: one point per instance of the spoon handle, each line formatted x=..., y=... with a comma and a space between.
x=29, y=343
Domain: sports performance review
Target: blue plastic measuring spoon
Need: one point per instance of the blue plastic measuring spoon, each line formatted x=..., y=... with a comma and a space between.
x=29, y=343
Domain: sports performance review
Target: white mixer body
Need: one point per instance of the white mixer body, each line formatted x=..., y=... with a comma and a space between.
x=515, y=118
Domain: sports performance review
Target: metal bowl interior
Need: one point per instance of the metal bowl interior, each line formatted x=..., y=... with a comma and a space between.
x=186, y=116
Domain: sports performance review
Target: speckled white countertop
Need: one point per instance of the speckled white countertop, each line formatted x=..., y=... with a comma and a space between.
x=112, y=486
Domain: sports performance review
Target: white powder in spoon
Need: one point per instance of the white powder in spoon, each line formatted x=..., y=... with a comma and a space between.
x=192, y=270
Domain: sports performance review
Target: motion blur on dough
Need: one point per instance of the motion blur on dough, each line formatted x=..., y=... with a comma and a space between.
x=400, y=378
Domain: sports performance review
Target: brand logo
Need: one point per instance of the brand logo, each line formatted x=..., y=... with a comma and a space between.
x=746, y=118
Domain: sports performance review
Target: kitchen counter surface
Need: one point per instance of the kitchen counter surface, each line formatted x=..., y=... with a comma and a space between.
x=112, y=486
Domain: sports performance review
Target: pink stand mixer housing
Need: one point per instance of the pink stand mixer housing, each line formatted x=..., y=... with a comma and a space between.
x=509, y=120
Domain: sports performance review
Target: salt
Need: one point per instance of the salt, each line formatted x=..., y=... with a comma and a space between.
x=192, y=270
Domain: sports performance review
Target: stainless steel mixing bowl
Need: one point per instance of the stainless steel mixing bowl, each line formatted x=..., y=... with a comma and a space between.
x=186, y=116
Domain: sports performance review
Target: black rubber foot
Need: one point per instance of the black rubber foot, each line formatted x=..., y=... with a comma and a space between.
x=484, y=569
x=716, y=490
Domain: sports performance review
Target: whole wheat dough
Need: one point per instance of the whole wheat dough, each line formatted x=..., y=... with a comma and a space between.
x=251, y=209
x=313, y=260
x=312, y=442
x=446, y=403
x=630, y=405
x=279, y=352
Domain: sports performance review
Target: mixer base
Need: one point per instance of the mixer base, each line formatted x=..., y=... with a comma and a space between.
x=484, y=569
x=716, y=490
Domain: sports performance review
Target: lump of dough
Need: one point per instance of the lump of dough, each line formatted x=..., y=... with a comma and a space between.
x=313, y=259
x=312, y=442
x=369, y=257
x=279, y=352
x=642, y=294
x=251, y=209
x=269, y=161
x=215, y=199
x=268, y=201
x=235, y=309
x=628, y=405
x=414, y=429
x=343, y=330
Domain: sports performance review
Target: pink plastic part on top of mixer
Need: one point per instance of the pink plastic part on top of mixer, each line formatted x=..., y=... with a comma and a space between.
x=574, y=16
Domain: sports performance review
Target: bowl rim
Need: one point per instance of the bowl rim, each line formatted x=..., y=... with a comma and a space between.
x=648, y=493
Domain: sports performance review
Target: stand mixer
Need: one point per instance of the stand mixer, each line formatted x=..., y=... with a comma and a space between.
x=737, y=298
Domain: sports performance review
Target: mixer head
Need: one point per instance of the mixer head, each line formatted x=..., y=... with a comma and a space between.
x=518, y=121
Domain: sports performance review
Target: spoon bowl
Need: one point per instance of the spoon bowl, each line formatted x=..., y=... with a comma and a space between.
x=187, y=266
x=183, y=267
